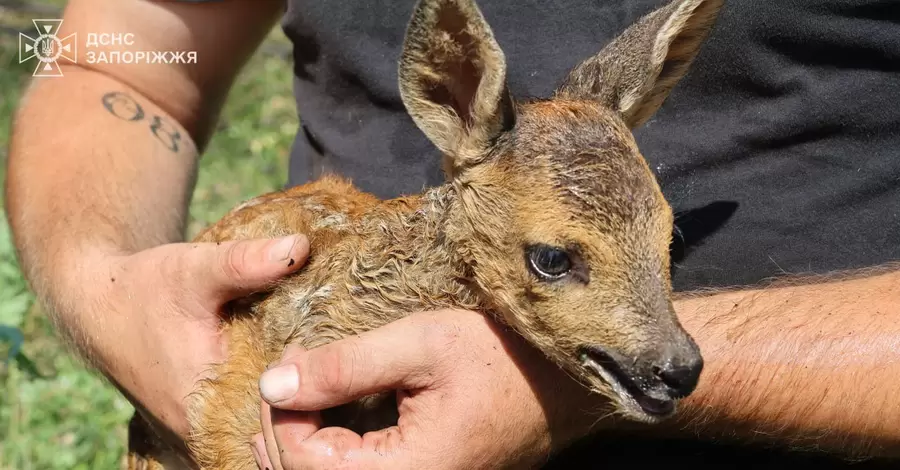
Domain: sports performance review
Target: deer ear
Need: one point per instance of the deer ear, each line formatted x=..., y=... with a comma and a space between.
x=635, y=73
x=453, y=79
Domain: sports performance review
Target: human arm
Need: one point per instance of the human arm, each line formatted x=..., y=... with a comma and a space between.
x=804, y=363
x=97, y=194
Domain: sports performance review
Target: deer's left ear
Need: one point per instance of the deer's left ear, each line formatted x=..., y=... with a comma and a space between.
x=453, y=79
x=635, y=73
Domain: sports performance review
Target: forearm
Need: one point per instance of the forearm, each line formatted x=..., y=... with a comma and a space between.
x=89, y=176
x=89, y=171
x=799, y=366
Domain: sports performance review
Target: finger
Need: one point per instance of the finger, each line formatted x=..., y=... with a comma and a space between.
x=269, y=448
x=331, y=447
x=397, y=447
x=291, y=428
x=228, y=270
x=384, y=442
x=400, y=355
x=340, y=448
x=260, y=453
x=282, y=431
x=269, y=445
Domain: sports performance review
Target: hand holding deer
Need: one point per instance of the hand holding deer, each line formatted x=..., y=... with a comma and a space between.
x=504, y=398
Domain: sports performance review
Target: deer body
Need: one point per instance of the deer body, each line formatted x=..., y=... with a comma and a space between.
x=550, y=221
x=380, y=260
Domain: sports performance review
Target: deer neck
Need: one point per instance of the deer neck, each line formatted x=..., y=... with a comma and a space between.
x=407, y=258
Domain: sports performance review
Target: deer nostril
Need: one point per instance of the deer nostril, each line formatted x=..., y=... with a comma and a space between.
x=681, y=379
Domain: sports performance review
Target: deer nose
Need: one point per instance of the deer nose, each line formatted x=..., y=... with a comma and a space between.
x=680, y=376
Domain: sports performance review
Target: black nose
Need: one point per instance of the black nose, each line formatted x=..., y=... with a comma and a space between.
x=680, y=377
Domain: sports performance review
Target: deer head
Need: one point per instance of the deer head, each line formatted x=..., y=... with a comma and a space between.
x=556, y=214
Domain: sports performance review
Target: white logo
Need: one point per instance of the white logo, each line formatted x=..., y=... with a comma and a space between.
x=47, y=48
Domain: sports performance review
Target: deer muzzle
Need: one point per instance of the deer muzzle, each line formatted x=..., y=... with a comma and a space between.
x=650, y=383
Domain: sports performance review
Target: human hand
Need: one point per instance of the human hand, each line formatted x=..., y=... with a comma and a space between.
x=159, y=311
x=470, y=395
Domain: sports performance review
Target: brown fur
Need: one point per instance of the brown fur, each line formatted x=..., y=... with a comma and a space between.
x=564, y=172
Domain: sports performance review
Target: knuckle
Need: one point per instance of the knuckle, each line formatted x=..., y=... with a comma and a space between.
x=234, y=263
x=333, y=370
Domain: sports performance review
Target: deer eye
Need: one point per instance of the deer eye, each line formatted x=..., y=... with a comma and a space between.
x=547, y=262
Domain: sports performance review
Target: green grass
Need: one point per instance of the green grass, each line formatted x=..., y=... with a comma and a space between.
x=54, y=413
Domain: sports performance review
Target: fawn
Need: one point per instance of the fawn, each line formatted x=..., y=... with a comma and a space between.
x=550, y=221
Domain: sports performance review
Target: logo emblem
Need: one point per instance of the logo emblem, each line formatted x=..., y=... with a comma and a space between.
x=47, y=48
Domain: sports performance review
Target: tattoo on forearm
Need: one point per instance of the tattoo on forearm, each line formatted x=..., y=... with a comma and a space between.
x=124, y=107
x=165, y=132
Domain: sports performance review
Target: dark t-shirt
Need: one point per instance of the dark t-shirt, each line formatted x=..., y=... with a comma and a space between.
x=780, y=149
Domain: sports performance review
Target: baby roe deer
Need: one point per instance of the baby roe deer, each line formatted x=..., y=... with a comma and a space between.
x=550, y=220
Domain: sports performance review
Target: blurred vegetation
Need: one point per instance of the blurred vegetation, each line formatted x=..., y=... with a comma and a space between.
x=55, y=413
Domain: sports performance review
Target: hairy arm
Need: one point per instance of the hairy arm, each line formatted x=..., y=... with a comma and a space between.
x=805, y=363
x=103, y=161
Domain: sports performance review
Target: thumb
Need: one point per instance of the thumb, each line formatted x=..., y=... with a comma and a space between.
x=400, y=355
x=228, y=270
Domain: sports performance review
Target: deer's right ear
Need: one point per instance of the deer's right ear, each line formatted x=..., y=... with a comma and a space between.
x=635, y=73
x=453, y=79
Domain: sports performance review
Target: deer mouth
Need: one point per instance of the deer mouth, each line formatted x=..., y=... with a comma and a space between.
x=635, y=398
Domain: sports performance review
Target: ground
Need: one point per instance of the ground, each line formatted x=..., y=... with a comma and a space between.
x=54, y=413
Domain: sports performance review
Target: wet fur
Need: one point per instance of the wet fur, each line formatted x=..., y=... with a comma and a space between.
x=549, y=171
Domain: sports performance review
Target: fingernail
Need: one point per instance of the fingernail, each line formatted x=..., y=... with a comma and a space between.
x=256, y=456
x=279, y=383
x=281, y=251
